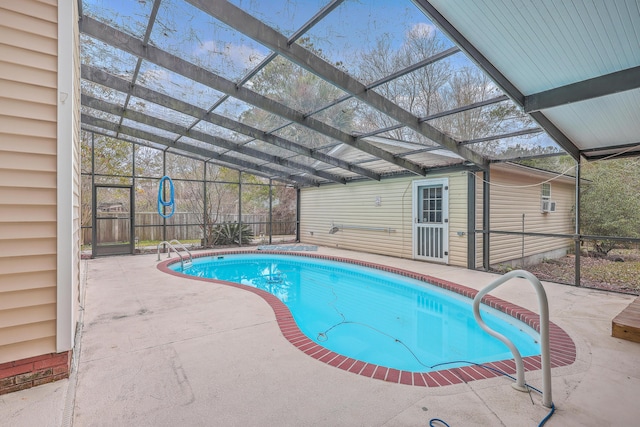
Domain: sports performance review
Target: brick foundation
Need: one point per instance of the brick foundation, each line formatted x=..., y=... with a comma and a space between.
x=34, y=371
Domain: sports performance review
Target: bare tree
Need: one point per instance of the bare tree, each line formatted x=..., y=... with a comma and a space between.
x=418, y=91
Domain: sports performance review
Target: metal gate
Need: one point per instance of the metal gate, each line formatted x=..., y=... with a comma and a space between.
x=112, y=220
x=431, y=220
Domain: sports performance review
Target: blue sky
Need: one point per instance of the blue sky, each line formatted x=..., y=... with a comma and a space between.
x=183, y=30
x=187, y=32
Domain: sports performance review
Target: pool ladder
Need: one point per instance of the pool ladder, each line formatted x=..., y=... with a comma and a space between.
x=188, y=262
x=544, y=332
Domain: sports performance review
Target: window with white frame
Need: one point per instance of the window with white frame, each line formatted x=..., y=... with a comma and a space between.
x=546, y=204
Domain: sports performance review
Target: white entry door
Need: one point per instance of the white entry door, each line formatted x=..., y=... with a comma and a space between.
x=431, y=220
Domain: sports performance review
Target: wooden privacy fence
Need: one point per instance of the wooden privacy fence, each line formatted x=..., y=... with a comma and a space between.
x=181, y=226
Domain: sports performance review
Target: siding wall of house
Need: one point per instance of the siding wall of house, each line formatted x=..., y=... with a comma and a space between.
x=516, y=191
x=76, y=241
x=458, y=215
x=354, y=204
x=28, y=195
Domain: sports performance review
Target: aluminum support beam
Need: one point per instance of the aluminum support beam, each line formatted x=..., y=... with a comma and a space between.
x=98, y=76
x=420, y=64
x=468, y=107
x=145, y=40
x=441, y=114
x=578, y=225
x=503, y=82
x=203, y=137
x=486, y=219
x=306, y=27
x=173, y=63
x=137, y=133
x=262, y=33
x=322, y=13
x=608, y=84
x=620, y=151
x=556, y=134
x=471, y=220
x=503, y=136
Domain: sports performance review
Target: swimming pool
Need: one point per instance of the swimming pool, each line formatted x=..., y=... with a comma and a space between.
x=372, y=316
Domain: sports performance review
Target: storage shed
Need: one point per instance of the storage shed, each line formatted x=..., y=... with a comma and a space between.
x=438, y=218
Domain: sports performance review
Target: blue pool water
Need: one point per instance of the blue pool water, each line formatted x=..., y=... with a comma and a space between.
x=371, y=315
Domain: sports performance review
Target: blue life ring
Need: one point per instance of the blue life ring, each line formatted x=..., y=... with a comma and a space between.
x=161, y=202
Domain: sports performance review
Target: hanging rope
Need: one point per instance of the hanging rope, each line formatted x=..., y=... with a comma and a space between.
x=161, y=202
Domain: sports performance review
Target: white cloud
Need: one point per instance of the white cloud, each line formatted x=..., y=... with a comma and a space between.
x=245, y=54
x=236, y=56
x=421, y=30
x=206, y=47
x=156, y=76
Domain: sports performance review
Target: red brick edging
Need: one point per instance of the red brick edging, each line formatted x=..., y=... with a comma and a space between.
x=34, y=371
x=562, y=347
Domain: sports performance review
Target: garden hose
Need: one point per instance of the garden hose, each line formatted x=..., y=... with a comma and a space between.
x=161, y=202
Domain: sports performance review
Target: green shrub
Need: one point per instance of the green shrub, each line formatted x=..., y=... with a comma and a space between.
x=229, y=233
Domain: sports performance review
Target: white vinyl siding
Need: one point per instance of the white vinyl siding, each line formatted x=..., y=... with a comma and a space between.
x=355, y=204
x=76, y=197
x=68, y=179
x=28, y=178
x=516, y=192
x=458, y=215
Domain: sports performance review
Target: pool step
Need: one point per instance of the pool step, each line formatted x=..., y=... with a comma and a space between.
x=626, y=325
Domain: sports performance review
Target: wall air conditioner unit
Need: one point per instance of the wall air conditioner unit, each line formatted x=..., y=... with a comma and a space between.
x=548, y=206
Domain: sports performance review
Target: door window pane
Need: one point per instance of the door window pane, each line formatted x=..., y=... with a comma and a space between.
x=431, y=204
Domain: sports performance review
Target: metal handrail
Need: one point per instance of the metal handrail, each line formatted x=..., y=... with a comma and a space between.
x=183, y=247
x=337, y=227
x=544, y=332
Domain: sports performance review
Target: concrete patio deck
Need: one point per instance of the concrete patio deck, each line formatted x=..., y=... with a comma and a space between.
x=160, y=350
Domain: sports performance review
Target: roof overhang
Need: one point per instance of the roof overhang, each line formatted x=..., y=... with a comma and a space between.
x=573, y=66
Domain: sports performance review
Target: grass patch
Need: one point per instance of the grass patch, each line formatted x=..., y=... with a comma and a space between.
x=625, y=274
x=619, y=272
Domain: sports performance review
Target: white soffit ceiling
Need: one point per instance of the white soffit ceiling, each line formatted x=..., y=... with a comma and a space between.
x=543, y=44
x=546, y=44
x=609, y=120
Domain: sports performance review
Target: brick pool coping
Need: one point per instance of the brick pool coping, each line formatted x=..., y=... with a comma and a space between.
x=562, y=347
